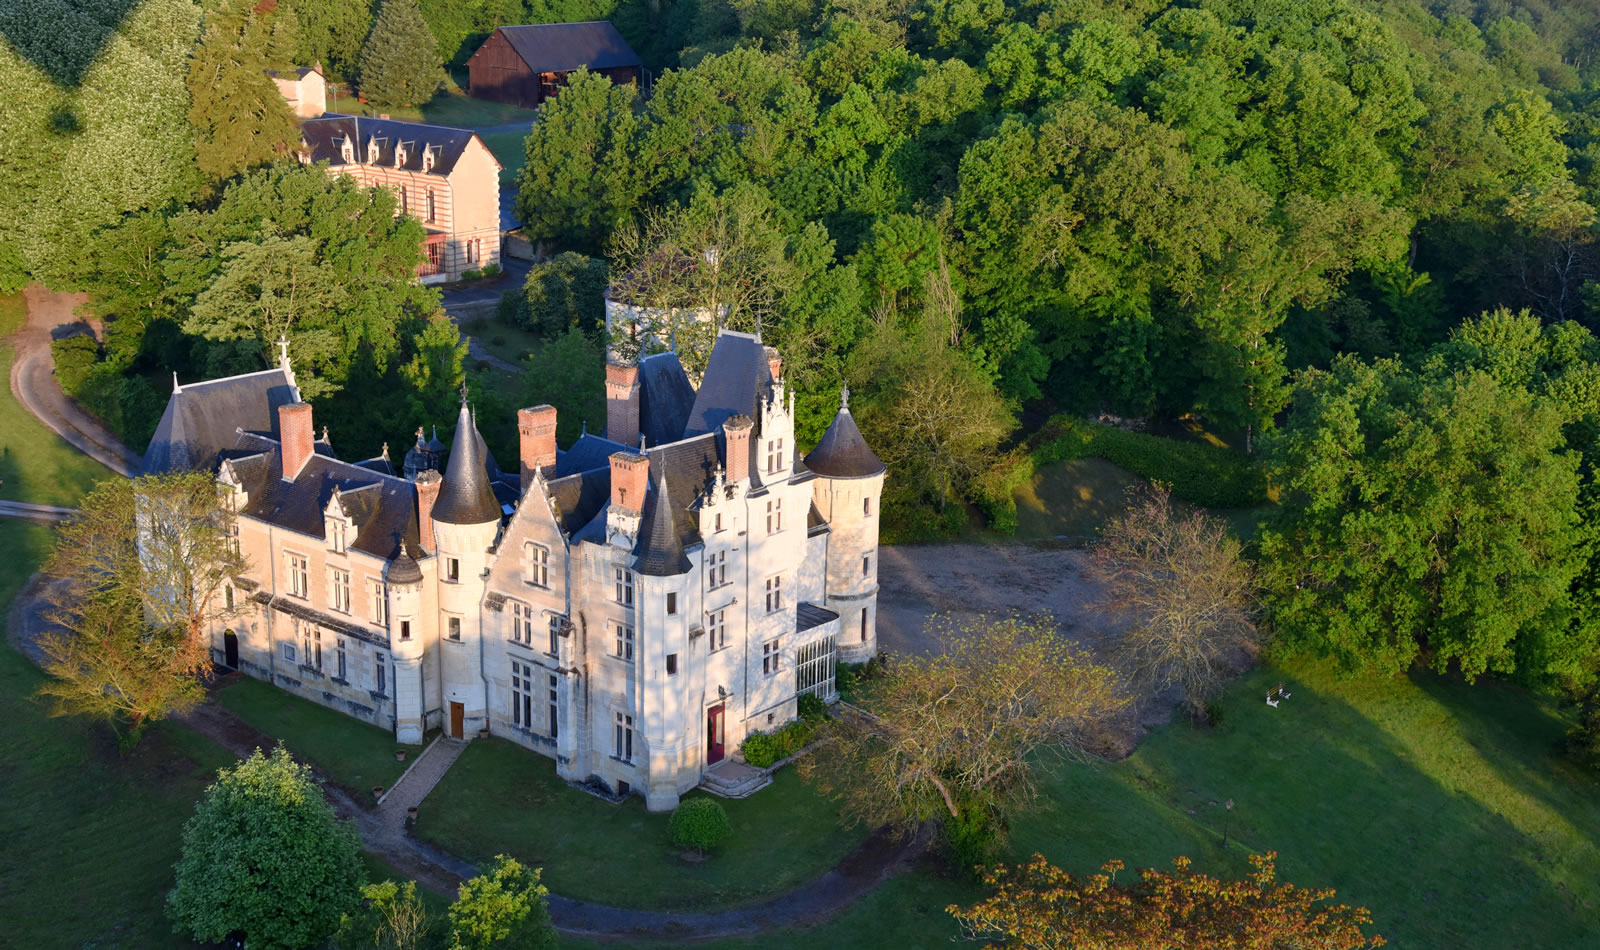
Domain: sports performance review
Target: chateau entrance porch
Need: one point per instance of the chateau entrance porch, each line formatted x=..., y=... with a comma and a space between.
x=731, y=778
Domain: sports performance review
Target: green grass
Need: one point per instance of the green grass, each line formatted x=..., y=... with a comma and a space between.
x=1073, y=500
x=501, y=798
x=450, y=107
x=505, y=340
x=36, y=465
x=90, y=836
x=508, y=148
x=353, y=753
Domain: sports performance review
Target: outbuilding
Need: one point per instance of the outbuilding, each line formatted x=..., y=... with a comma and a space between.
x=525, y=65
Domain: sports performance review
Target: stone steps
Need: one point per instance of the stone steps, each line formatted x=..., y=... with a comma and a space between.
x=734, y=780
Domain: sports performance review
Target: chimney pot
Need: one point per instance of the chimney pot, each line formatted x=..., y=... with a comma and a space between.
x=630, y=472
x=736, y=437
x=537, y=427
x=295, y=437
x=774, y=363
x=622, y=403
x=428, y=484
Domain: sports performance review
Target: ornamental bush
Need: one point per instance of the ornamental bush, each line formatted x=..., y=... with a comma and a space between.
x=762, y=750
x=699, y=823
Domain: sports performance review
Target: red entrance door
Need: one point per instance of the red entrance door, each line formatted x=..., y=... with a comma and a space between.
x=714, y=735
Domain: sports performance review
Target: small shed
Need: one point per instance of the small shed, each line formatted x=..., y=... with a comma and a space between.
x=525, y=65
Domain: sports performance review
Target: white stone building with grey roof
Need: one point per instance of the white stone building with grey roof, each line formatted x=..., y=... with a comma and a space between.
x=632, y=606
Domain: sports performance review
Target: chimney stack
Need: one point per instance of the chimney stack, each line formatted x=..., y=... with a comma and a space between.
x=774, y=362
x=428, y=484
x=295, y=438
x=538, y=429
x=736, y=436
x=622, y=403
x=629, y=474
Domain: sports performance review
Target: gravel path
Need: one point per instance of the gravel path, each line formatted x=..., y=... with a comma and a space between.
x=34, y=384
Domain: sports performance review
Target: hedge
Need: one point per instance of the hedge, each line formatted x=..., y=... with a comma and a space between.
x=1208, y=475
x=763, y=749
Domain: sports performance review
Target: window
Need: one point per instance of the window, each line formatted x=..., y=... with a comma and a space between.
x=672, y=604
x=288, y=653
x=556, y=622
x=454, y=627
x=233, y=536
x=774, y=515
x=624, y=641
x=718, y=525
x=624, y=579
x=866, y=506
x=346, y=151
x=405, y=629
x=452, y=569
x=522, y=623
x=311, y=639
x=378, y=594
x=433, y=210
x=814, y=668
x=716, y=570
x=866, y=566
x=774, y=456
x=339, y=590
x=717, y=629
x=404, y=205
x=339, y=644
x=522, y=695
x=863, y=625
x=672, y=664
x=536, y=566
x=227, y=596
x=624, y=749
x=336, y=528
x=553, y=720
x=299, y=576
x=774, y=594
x=380, y=672
x=769, y=658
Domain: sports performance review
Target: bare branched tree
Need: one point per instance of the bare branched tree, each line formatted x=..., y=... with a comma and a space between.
x=1180, y=585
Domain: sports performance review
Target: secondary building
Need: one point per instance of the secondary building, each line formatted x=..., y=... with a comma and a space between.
x=445, y=178
x=525, y=65
x=632, y=606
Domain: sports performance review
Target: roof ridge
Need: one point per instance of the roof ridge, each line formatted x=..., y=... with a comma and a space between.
x=185, y=387
x=332, y=459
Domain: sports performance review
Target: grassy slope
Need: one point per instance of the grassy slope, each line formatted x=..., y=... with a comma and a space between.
x=500, y=797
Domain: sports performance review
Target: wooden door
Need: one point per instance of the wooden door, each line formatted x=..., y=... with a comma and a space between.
x=457, y=714
x=714, y=735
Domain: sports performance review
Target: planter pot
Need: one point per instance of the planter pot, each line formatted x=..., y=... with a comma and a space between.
x=483, y=733
x=377, y=791
x=400, y=755
x=412, y=813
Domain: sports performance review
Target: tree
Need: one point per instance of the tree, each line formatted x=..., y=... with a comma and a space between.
x=391, y=917
x=239, y=117
x=265, y=855
x=502, y=909
x=1185, y=593
x=700, y=823
x=568, y=373
x=956, y=737
x=400, y=63
x=1037, y=906
x=138, y=581
x=566, y=292
x=332, y=33
x=580, y=180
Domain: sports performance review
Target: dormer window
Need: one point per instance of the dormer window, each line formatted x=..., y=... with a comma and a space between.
x=428, y=152
x=347, y=151
x=372, y=151
x=400, y=155
x=336, y=535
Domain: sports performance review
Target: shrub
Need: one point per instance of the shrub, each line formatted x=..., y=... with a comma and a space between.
x=1583, y=740
x=700, y=823
x=760, y=750
x=471, y=274
x=512, y=309
x=498, y=339
x=475, y=324
x=813, y=709
x=491, y=270
x=75, y=357
x=763, y=750
x=566, y=291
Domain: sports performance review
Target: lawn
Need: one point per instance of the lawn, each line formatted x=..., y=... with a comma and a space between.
x=505, y=340
x=353, y=753
x=1072, y=500
x=36, y=465
x=508, y=147
x=450, y=107
x=502, y=798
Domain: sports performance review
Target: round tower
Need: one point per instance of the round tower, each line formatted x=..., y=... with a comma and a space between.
x=847, y=490
x=404, y=579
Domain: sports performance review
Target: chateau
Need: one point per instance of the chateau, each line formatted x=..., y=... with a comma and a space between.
x=632, y=606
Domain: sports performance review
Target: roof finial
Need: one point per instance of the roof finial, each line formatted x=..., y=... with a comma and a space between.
x=844, y=398
x=385, y=453
x=283, y=351
x=463, y=392
x=325, y=436
x=641, y=443
x=175, y=387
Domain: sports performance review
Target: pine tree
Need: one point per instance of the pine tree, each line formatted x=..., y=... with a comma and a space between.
x=400, y=62
x=240, y=119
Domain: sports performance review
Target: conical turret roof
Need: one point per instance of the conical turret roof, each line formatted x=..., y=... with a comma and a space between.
x=659, y=549
x=466, y=496
x=842, y=452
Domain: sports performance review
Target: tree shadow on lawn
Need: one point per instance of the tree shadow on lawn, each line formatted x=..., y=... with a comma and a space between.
x=1344, y=801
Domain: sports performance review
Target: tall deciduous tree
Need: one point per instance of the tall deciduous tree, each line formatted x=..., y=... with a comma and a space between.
x=1038, y=906
x=502, y=909
x=332, y=33
x=1185, y=594
x=580, y=180
x=138, y=581
x=240, y=119
x=400, y=63
x=265, y=855
x=956, y=737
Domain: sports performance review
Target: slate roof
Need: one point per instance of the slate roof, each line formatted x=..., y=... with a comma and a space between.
x=736, y=377
x=579, y=497
x=202, y=420
x=562, y=47
x=467, y=495
x=383, y=508
x=659, y=547
x=690, y=465
x=588, y=453
x=665, y=398
x=842, y=452
x=808, y=615
x=323, y=135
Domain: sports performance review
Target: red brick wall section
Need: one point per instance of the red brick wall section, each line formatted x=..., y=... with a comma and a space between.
x=630, y=472
x=537, y=427
x=622, y=403
x=736, y=435
x=294, y=432
x=428, y=485
x=774, y=362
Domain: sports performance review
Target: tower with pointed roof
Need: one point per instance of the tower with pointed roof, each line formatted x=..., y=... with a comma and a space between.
x=847, y=490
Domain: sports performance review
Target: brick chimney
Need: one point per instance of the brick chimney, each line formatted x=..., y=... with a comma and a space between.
x=622, y=403
x=736, y=435
x=630, y=472
x=428, y=484
x=774, y=362
x=295, y=437
x=538, y=429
